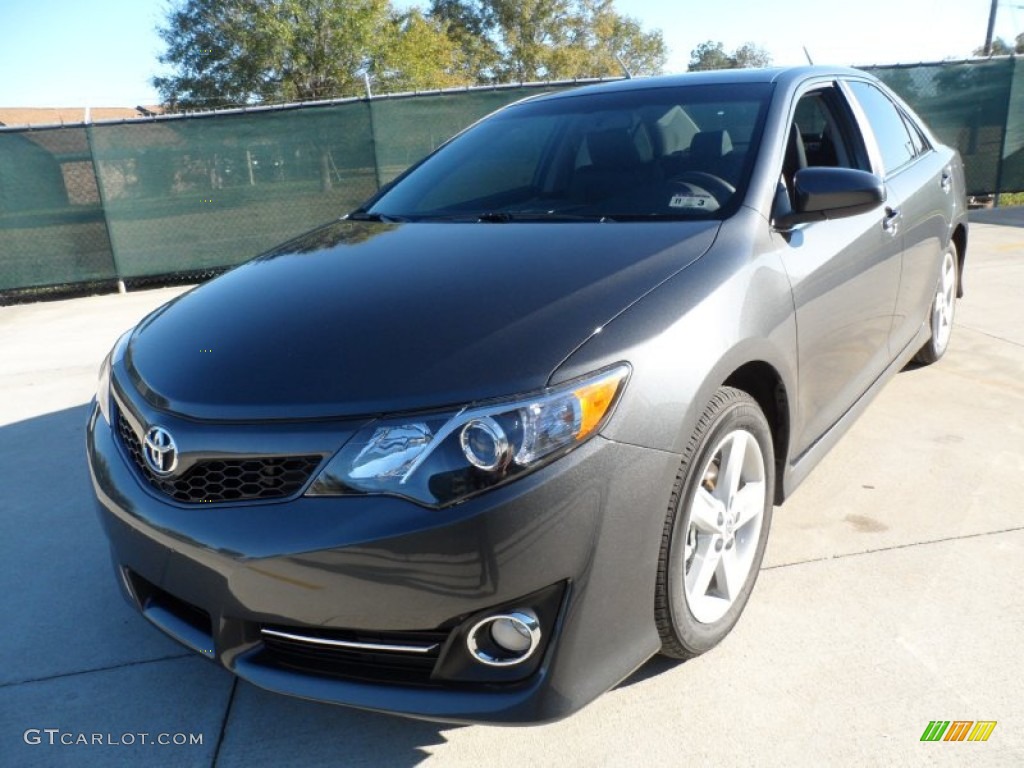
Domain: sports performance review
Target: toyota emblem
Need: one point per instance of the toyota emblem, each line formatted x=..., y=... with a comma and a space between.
x=160, y=450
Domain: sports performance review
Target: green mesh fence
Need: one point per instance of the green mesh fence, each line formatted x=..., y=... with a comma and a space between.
x=206, y=192
x=52, y=228
x=975, y=106
x=406, y=129
x=187, y=196
x=1012, y=175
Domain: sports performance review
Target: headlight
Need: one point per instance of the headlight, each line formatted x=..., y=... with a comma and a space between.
x=103, y=382
x=438, y=460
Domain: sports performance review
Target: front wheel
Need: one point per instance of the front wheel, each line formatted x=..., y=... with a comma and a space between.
x=943, y=308
x=717, y=526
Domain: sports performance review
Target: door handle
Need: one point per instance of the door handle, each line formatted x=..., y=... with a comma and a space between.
x=946, y=182
x=891, y=221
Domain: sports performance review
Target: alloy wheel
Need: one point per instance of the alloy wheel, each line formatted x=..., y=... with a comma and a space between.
x=945, y=298
x=725, y=521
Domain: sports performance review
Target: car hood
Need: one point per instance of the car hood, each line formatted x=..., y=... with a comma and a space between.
x=361, y=318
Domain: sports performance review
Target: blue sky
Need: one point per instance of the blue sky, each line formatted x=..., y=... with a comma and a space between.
x=104, y=52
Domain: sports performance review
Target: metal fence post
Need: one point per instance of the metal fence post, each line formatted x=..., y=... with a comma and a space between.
x=373, y=136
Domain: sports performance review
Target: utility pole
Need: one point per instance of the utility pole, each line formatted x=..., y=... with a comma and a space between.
x=991, y=28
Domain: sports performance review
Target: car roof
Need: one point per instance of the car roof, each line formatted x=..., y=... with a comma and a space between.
x=783, y=76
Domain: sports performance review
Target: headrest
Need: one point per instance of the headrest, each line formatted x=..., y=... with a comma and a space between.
x=711, y=144
x=613, y=148
x=675, y=131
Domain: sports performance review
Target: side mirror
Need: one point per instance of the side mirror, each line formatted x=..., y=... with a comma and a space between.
x=828, y=193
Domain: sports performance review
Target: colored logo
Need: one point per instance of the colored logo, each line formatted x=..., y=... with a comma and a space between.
x=958, y=730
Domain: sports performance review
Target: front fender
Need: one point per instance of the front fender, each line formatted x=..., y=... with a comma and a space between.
x=687, y=337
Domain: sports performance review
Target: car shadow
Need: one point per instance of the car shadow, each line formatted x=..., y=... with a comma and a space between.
x=80, y=648
x=262, y=724
x=1009, y=216
x=654, y=666
x=912, y=366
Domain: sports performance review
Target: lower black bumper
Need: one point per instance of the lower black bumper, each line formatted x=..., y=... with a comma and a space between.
x=578, y=538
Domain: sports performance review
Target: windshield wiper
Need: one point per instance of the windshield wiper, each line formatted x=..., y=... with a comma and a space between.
x=367, y=216
x=658, y=217
x=503, y=217
x=495, y=217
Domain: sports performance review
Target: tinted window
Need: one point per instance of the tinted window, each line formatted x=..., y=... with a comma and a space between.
x=887, y=124
x=507, y=161
x=825, y=131
x=921, y=144
x=649, y=153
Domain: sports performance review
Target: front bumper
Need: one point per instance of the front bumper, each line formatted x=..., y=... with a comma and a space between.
x=581, y=534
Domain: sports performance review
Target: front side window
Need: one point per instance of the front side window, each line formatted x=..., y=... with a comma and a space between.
x=894, y=141
x=825, y=131
x=671, y=153
x=820, y=136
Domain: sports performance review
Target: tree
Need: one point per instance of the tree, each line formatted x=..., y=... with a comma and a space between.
x=419, y=54
x=520, y=40
x=1002, y=48
x=709, y=55
x=712, y=55
x=470, y=26
x=230, y=52
x=529, y=34
x=227, y=52
x=750, y=56
x=604, y=41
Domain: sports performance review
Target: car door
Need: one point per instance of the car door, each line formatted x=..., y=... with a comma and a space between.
x=921, y=179
x=844, y=272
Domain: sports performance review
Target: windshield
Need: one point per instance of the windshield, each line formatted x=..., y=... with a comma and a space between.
x=672, y=153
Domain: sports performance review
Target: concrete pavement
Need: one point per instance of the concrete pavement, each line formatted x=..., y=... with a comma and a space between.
x=891, y=594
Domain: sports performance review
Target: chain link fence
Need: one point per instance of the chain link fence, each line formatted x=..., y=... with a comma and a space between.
x=183, y=197
x=52, y=227
x=976, y=106
x=180, y=198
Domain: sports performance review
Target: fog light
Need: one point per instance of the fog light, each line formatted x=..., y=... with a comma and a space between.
x=485, y=444
x=511, y=634
x=504, y=639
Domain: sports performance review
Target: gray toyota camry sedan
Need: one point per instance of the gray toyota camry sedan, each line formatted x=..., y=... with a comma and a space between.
x=478, y=449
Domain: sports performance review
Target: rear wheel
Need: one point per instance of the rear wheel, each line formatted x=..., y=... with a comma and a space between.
x=943, y=308
x=717, y=526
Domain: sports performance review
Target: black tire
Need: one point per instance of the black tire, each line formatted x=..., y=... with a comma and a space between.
x=683, y=636
x=938, y=342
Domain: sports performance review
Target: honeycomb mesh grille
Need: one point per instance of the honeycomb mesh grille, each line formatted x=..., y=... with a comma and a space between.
x=213, y=481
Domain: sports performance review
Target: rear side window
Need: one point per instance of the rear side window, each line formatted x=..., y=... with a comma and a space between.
x=894, y=141
x=921, y=144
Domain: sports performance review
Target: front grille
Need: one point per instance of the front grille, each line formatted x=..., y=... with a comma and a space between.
x=305, y=652
x=212, y=481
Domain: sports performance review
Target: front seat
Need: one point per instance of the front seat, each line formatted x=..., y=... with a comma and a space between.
x=615, y=166
x=711, y=152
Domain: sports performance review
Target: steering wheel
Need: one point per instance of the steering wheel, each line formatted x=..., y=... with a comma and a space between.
x=717, y=187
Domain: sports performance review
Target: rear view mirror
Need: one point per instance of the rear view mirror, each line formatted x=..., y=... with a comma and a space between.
x=828, y=193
